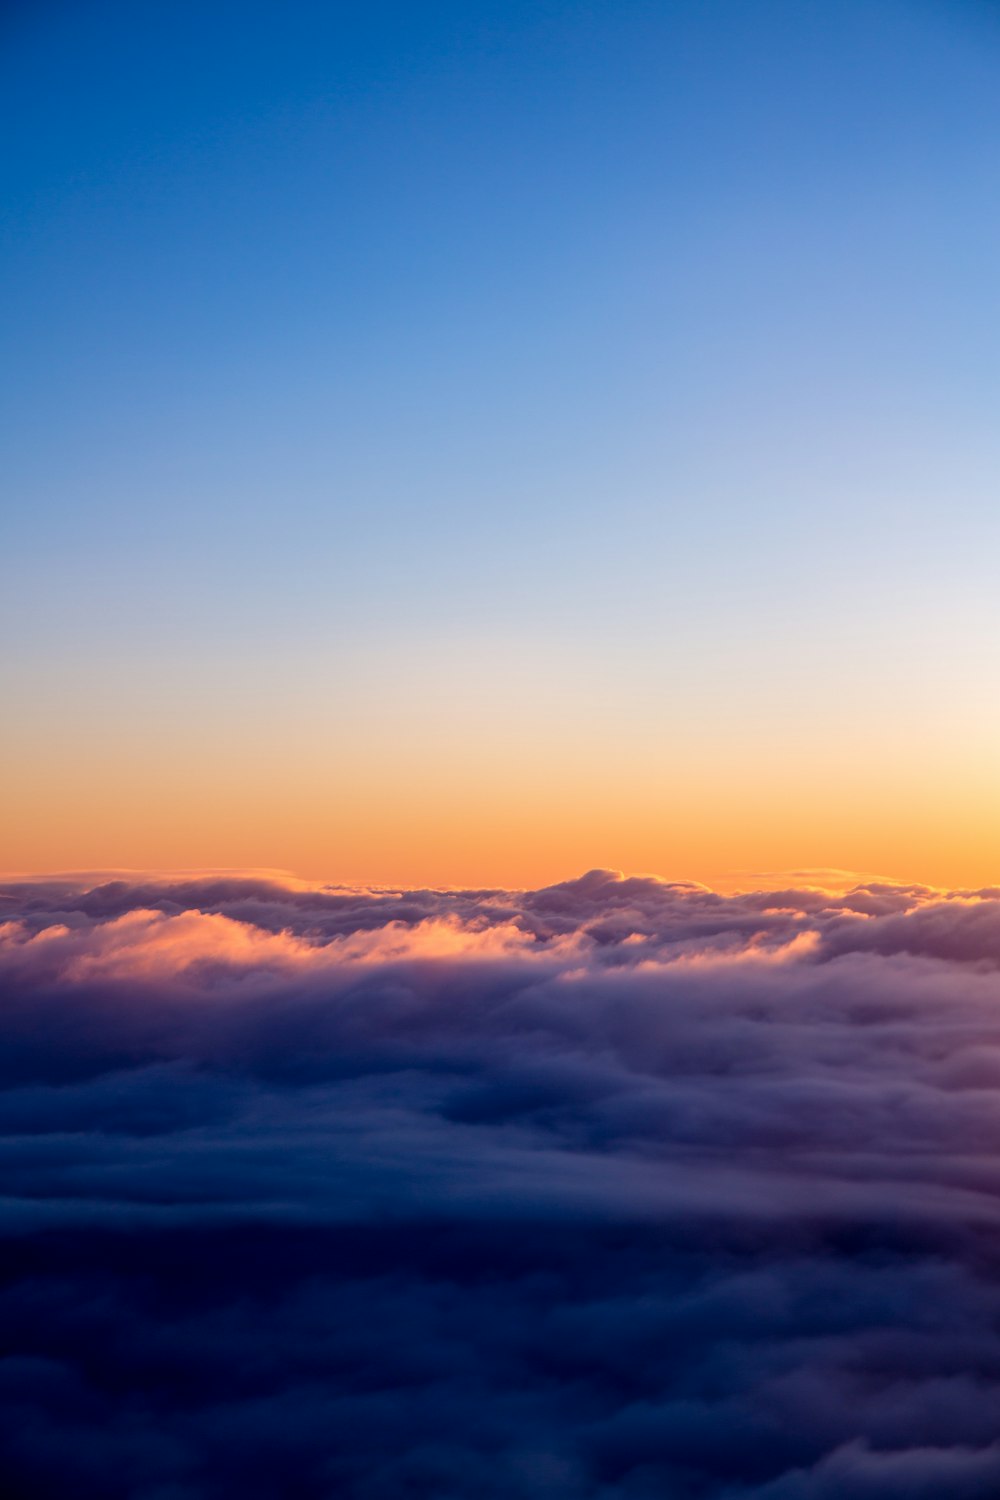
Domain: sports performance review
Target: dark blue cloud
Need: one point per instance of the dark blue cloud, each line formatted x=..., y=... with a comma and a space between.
x=614, y=1190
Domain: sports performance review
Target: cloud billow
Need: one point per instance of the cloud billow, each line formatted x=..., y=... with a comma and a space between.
x=615, y=1190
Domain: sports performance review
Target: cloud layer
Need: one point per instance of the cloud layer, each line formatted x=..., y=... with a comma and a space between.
x=614, y=1190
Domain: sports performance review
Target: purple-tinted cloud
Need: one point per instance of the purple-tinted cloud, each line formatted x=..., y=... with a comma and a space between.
x=613, y=1190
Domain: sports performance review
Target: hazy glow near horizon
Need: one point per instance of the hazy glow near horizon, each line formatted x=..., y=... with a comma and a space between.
x=473, y=444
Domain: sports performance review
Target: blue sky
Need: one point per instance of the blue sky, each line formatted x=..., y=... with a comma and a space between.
x=644, y=348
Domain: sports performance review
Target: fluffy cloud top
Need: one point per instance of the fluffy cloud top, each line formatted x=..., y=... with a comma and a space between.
x=613, y=1190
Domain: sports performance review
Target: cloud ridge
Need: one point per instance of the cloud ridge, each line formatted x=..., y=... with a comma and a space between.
x=616, y=1189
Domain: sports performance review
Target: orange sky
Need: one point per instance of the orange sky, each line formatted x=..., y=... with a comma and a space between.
x=514, y=814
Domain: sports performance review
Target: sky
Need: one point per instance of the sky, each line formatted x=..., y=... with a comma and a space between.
x=472, y=443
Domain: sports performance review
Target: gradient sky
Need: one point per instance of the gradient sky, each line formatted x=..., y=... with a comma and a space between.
x=476, y=442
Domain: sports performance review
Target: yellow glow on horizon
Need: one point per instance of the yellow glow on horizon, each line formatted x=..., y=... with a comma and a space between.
x=496, y=824
x=501, y=769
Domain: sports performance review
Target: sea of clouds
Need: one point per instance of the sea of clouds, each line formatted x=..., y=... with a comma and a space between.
x=610, y=1191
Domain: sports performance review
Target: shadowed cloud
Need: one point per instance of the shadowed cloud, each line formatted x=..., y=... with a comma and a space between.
x=616, y=1189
